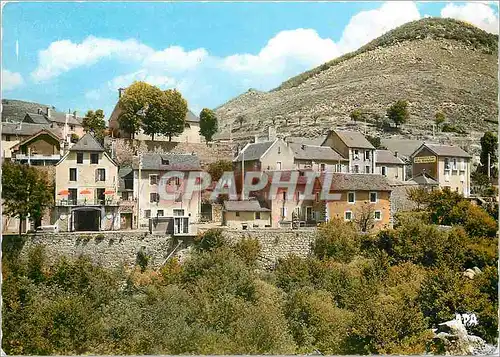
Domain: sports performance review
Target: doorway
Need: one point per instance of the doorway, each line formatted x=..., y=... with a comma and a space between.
x=87, y=220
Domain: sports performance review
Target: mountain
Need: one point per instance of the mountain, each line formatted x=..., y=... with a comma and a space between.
x=435, y=64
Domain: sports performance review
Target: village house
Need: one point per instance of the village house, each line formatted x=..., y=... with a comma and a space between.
x=191, y=133
x=44, y=148
x=150, y=187
x=402, y=148
x=389, y=165
x=317, y=158
x=355, y=148
x=86, y=189
x=267, y=155
x=449, y=165
x=363, y=199
x=245, y=214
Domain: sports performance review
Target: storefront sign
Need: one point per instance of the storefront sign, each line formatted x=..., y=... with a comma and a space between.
x=424, y=159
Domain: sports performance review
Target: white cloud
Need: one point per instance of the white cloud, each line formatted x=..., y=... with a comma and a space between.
x=478, y=14
x=11, y=80
x=176, y=59
x=368, y=25
x=301, y=46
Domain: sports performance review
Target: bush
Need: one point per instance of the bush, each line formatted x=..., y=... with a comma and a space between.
x=338, y=240
x=292, y=273
x=142, y=259
x=210, y=240
x=248, y=250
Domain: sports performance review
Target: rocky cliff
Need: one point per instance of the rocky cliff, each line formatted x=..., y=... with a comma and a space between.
x=435, y=64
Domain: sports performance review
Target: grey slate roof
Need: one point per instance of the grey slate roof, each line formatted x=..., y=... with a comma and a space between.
x=254, y=151
x=316, y=153
x=447, y=150
x=28, y=129
x=176, y=162
x=122, y=173
x=191, y=117
x=403, y=147
x=357, y=182
x=387, y=157
x=354, y=139
x=14, y=110
x=87, y=143
x=244, y=206
x=35, y=118
x=307, y=141
x=424, y=179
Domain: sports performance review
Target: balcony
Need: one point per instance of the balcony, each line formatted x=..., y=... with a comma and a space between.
x=87, y=202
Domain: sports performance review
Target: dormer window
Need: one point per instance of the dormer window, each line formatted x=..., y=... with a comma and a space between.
x=165, y=161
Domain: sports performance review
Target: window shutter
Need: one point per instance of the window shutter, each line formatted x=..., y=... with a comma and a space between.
x=96, y=175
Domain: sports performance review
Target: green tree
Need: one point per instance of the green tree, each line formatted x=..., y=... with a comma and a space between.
x=154, y=119
x=25, y=192
x=398, y=112
x=489, y=146
x=94, y=122
x=134, y=104
x=173, y=110
x=338, y=240
x=356, y=115
x=439, y=119
x=216, y=169
x=208, y=124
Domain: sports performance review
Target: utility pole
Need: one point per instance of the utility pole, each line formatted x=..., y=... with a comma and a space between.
x=139, y=191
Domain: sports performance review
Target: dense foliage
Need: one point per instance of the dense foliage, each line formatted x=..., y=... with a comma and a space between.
x=208, y=124
x=398, y=112
x=94, y=122
x=355, y=294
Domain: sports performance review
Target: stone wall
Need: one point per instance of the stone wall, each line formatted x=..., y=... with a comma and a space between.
x=111, y=249
x=399, y=198
x=276, y=243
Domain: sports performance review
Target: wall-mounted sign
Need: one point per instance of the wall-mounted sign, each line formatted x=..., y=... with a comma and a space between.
x=424, y=159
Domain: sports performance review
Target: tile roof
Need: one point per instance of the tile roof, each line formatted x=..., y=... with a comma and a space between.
x=87, y=143
x=28, y=129
x=403, y=147
x=424, y=179
x=447, y=150
x=35, y=118
x=354, y=139
x=254, y=151
x=316, y=153
x=357, y=182
x=387, y=157
x=170, y=162
x=307, y=141
x=244, y=206
x=191, y=117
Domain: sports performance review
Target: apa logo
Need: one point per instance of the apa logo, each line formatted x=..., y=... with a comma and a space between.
x=468, y=319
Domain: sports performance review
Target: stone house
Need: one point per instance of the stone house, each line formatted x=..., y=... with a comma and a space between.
x=245, y=214
x=86, y=189
x=449, y=165
x=267, y=155
x=355, y=148
x=318, y=158
x=389, y=165
x=151, y=186
x=362, y=198
x=191, y=133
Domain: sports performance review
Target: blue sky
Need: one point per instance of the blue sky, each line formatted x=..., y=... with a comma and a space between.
x=76, y=55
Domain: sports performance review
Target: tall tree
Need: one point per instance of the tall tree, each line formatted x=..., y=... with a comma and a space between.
x=134, y=105
x=398, y=112
x=25, y=192
x=173, y=109
x=153, y=120
x=208, y=124
x=489, y=145
x=94, y=122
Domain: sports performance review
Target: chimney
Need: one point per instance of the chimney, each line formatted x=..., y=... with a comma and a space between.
x=255, y=138
x=120, y=92
x=303, y=147
x=396, y=153
x=74, y=114
x=48, y=112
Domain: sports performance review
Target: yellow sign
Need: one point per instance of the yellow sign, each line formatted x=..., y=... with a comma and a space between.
x=424, y=159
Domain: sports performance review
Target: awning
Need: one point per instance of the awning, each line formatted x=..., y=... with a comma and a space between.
x=109, y=192
x=85, y=192
x=63, y=193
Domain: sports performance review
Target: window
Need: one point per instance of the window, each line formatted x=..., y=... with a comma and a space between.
x=153, y=180
x=356, y=154
x=283, y=212
x=284, y=195
x=100, y=175
x=377, y=215
x=462, y=165
x=351, y=197
x=94, y=158
x=237, y=214
x=356, y=169
x=7, y=137
x=278, y=165
x=322, y=167
x=317, y=196
x=147, y=213
x=154, y=197
x=72, y=174
x=373, y=197
x=257, y=215
x=159, y=213
x=454, y=162
x=178, y=212
x=279, y=149
x=367, y=155
x=367, y=169
x=79, y=157
x=446, y=163
x=348, y=215
x=384, y=171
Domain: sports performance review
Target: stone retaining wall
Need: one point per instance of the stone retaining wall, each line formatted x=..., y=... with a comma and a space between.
x=111, y=249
